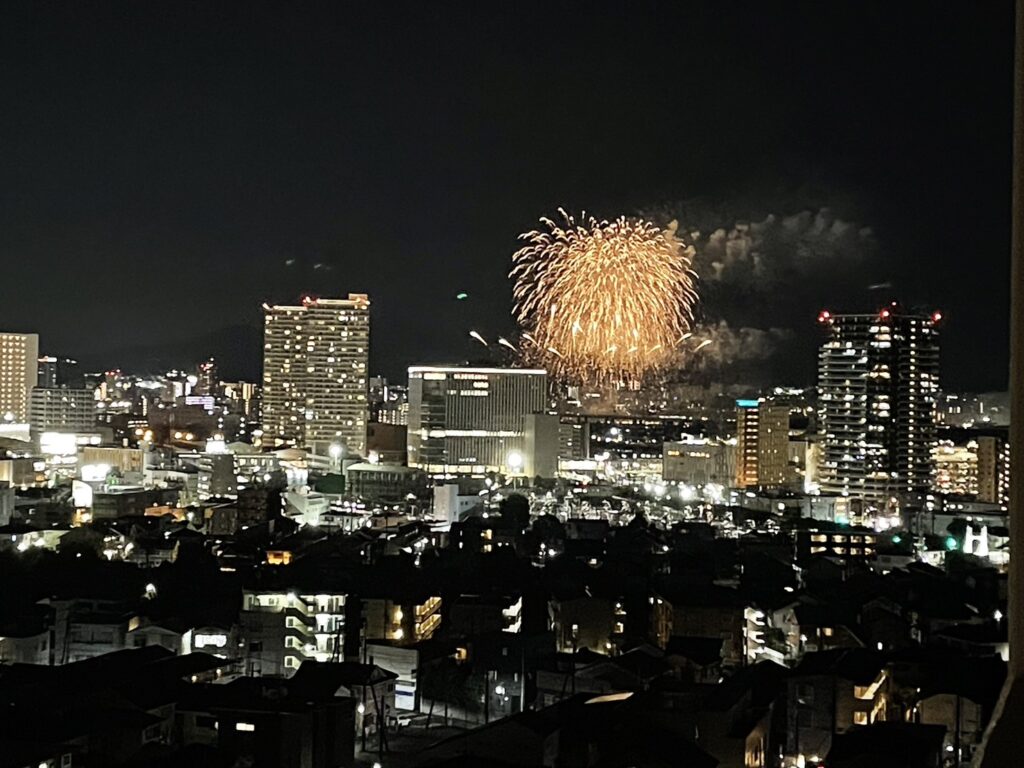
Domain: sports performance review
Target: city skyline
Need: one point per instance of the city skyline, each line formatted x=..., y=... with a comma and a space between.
x=245, y=193
x=593, y=385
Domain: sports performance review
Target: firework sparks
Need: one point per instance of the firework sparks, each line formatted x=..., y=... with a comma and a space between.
x=603, y=301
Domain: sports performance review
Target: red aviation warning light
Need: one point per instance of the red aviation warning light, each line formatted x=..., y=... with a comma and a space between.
x=824, y=316
x=936, y=317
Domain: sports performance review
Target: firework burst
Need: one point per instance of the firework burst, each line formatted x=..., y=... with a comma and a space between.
x=602, y=302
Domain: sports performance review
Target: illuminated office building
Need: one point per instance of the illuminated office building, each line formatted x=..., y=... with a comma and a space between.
x=470, y=421
x=315, y=356
x=878, y=377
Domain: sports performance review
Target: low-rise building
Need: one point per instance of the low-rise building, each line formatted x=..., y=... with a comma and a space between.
x=830, y=693
x=479, y=614
x=383, y=482
x=280, y=629
x=368, y=685
x=404, y=620
x=86, y=628
x=699, y=462
x=710, y=611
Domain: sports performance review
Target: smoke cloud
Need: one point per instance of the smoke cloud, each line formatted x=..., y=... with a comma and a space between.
x=762, y=281
x=764, y=254
x=729, y=344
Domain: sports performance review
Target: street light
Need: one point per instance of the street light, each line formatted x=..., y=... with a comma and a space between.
x=336, y=451
x=514, y=460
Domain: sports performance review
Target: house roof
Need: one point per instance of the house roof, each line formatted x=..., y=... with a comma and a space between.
x=907, y=745
x=321, y=679
x=857, y=665
x=702, y=651
x=619, y=730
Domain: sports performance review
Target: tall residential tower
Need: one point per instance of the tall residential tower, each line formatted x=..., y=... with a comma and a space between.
x=762, y=444
x=878, y=378
x=315, y=357
x=19, y=372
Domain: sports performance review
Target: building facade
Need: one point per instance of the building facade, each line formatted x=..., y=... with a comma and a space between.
x=383, y=482
x=994, y=468
x=878, y=377
x=281, y=629
x=762, y=444
x=699, y=462
x=315, y=357
x=47, y=372
x=956, y=468
x=470, y=421
x=19, y=373
x=60, y=409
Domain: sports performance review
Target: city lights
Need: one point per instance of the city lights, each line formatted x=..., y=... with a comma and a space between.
x=318, y=448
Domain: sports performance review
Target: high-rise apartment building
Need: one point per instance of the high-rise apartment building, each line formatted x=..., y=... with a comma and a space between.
x=956, y=468
x=19, y=373
x=207, y=379
x=878, y=377
x=62, y=409
x=315, y=357
x=994, y=468
x=47, y=372
x=470, y=421
x=58, y=372
x=243, y=397
x=762, y=444
x=747, y=422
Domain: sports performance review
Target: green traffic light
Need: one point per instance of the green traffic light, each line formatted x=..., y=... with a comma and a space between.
x=897, y=539
x=951, y=542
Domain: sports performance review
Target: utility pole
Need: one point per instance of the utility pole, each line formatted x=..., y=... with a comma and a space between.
x=956, y=735
x=572, y=666
x=522, y=678
x=362, y=717
x=487, y=697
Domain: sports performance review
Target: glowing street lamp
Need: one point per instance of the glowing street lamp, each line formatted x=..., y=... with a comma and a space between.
x=515, y=462
x=336, y=451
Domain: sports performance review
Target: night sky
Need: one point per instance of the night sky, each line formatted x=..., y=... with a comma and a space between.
x=167, y=167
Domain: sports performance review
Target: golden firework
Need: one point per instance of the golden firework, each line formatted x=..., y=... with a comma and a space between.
x=602, y=302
